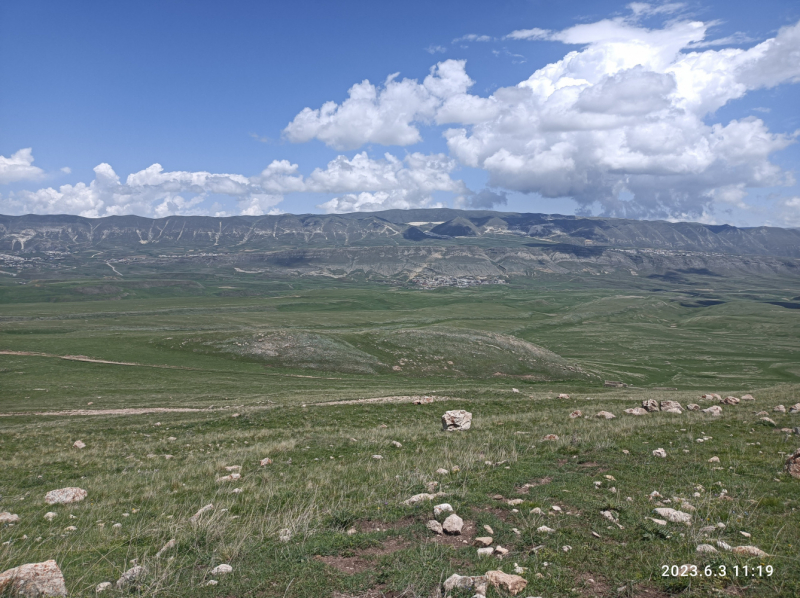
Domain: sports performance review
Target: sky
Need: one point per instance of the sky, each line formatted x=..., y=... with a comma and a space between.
x=663, y=110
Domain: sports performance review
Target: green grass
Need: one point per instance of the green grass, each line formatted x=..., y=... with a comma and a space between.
x=182, y=340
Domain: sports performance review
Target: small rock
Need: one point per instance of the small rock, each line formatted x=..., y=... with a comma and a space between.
x=442, y=508
x=575, y=414
x=713, y=410
x=545, y=530
x=657, y=521
x=730, y=400
x=284, y=535
x=442, y=471
x=102, y=587
x=650, y=404
x=222, y=570
x=486, y=551
x=233, y=468
x=419, y=498
x=117, y=526
x=50, y=515
x=131, y=577
x=514, y=390
x=6, y=517
x=78, y=444
x=793, y=464
x=353, y=531
x=745, y=534
x=465, y=582
x=65, y=496
x=514, y=502
x=265, y=461
x=795, y=408
x=563, y=396
x=550, y=437
x=605, y=415
x=489, y=529
x=453, y=525
x=483, y=541
x=674, y=516
x=714, y=460
x=500, y=550
x=211, y=582
x=693, y=407
x=779, y=409
x=435, y=527
x=377, y=457
x=168, y=546
x=536, y=511
x=660, y=452
x=748, y=398
x=513, y=584
x=566, y=548
x=723, y=545
x=396, y=444
x=749, y=551
x=667, y=405
x=636, y=411
x=71, y=528
x=769, y=421
x=229, y=478
x=33, y=580
x=626, y=452
x=196, y=517
x=456, y=420
x=674, y=410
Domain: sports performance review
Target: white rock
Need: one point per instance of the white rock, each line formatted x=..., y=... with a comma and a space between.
x=769, y=421
x=650, y=405
x=749, y=551
x=284, y=535
x=377, y=457
x=435, y=527
x=233, y=468
x=660, y=452
x=483, y=541
x=33, y=580
x=419, y=498
x=442, y=471
x=576, y=414
x=229, y=478
x=486, y=551
x=714, y=460
x=456, y=420
x=265, y=461
x=396, y=444
x=693, y=407
x=746, y=535
x=545, y=530
x=117, y=526
x=514, y=390
x=657, y=521
x=65, y=496
x=713, y=410
x=50, y=515
x=536, y=511
x=6, y=517
x=605, y=415
x=102, y=587
x=795, y=408
x=779, y=409
x=71, y=528
x=211, y=582
x=666, y=405
x=706, y=548
x=515, y=501
x=78, y=444
x=442, y=508
x=453, y=524
x=223, y=569
x=674, y=516
x=636, y=411
x=131, y=577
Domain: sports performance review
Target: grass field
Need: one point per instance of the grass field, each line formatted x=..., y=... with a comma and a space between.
x=251, y=366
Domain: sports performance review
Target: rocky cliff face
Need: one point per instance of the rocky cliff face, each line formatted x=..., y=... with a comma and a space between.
x=441, y=227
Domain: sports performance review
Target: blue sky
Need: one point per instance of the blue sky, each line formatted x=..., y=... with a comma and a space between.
x=569, y=107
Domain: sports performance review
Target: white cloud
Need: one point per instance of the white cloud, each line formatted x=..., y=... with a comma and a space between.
x=435, y=49
x=19, y=167
x=380, y=115
x=530, y=34
x=643, y=9
x=473, y=37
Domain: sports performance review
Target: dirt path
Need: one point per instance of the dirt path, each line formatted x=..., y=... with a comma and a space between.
x=92, y=360
x=398, y=399
x=124, y=411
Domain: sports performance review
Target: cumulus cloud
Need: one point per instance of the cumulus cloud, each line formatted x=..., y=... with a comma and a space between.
x=19, y=167
x=473, y=37
x=382, y=115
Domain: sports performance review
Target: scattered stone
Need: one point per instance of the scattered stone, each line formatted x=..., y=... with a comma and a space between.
x=102, y=587
x=65, y=496
x=626, y=452
x=172, y=439
x=421, y=400
x=211, y=582
x=723, y=545
x=419, y=498
x=657, y=521
x=483, y=541
x=713, y=410
x=442, y=508
x=550, y=437
x=795, y=408
x=666, y=405
x=265, y=461
x=793, y=464
x=456, y=420
x=222, y=570
x=453, y=525
x=536, y=511
x=660, y=452
x=748, y=398
x=466, y=582
x=545, y=530
x=456, y=468
x=674, y=516
x=6, y=517
x=513, y=584
x=233, y=468
x=229, y=478
x=117, y=526
x=33, y=580
x=674, y=410
x=396, y=444
x=501, y=551
x=78, y=444
x=435, y=527
x=486, y=551
x=746, y=535
x=779, y=409
x=131, y=577
x=514, y=390
x=714, y=460
x=566, y=548
x=284, y=535
x=749, y=551
x=353, y=531
x=442, y=471
x=605, y=415
x=50, y=515
x=769, y=421
x=636, y=411
x=168, y=546
x=563, y=396
x=377, y=457
x=556, y=508
x=650, y=405
x=693, y=407
x=196, y=517
x=514, y=501
x=576, y=414
x=431, y=486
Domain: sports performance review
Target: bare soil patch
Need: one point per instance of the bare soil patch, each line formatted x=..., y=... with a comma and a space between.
x=363, y=559
x=396, y=399
x=369, y=525
x=465, y=538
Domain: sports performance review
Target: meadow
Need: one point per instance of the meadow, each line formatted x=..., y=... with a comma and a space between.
x=222, y=371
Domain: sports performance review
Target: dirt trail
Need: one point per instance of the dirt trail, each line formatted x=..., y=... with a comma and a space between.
x=92, y=360
x=398, y=399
